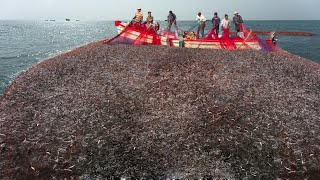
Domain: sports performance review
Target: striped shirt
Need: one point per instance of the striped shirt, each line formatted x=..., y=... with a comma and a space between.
x=139, y=17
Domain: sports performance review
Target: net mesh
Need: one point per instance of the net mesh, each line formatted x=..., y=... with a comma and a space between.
x=139, y=34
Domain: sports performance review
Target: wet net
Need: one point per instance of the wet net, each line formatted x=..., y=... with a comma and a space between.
x=136, y=34
x=139, y=34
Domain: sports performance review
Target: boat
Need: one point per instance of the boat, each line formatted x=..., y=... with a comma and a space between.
x=67, y=19
x=129, y=33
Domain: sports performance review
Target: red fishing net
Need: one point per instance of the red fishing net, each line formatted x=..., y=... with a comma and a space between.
x=139, y=34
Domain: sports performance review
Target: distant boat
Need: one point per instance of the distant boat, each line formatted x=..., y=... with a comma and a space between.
x=52, y=20
x=67, y=19
x=77, y=20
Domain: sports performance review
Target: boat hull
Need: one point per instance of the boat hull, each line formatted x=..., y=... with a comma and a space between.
x=131, y=35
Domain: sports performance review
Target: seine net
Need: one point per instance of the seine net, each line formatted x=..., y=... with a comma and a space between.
x=137, y=34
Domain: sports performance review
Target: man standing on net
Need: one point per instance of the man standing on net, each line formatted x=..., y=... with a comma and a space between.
x=172, y=19
x=237, y=20
x=201, y=24
x=225, y=25
x=216, y=23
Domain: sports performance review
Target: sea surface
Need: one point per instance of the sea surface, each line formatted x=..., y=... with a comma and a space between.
x=26, y=43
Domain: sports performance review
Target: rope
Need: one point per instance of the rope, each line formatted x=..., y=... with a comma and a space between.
x=123, y=31
x=244, y=40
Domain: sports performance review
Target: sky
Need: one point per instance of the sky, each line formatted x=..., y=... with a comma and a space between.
x=184, y=9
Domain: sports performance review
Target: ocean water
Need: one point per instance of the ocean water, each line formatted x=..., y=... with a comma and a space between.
x=26, y=43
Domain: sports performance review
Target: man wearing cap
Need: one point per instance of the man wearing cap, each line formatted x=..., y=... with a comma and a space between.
x=138, y=18
x=237, y=20
x=202, y=24
x=149, y=19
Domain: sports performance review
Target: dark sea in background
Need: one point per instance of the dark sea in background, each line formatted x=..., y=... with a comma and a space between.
x=26, y=43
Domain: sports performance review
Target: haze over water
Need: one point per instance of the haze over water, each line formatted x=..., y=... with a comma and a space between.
x=26, y=43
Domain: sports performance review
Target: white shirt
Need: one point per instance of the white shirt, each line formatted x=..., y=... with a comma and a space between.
x=201, y=18
x=225, y=24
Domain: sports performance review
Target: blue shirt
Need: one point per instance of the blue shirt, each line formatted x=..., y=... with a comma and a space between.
x=216, y=22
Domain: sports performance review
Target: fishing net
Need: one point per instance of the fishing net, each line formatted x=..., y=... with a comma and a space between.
x=251, y=41
x=137, y=34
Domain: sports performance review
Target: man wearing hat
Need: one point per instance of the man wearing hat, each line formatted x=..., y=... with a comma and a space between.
x=138, y=18
x=149, y=19
x=237, y=20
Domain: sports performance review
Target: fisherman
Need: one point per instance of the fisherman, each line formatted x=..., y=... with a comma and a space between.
x=155, y=25
x=201, y=24
x=149, y=19
x=172, y=19
x=237, y=20
x=273, y=37
x=138, y=18
x=216, y=23
x=225, y=25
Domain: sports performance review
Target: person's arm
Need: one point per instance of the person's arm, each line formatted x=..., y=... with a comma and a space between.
x=241, y=21
x=198, y=19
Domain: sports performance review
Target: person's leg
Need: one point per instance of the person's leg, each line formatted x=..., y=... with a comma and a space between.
x=202, y=31
x=198, y=31
x=175, y=24
x=169, y=26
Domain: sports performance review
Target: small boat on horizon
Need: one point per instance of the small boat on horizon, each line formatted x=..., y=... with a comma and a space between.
x=52, y=20
x=67, y=19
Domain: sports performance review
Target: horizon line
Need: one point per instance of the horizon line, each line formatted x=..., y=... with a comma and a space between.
x=157, y=20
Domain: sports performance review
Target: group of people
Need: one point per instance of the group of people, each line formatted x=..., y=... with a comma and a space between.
x=201, y=22
x=150, y=23
x=217, y=23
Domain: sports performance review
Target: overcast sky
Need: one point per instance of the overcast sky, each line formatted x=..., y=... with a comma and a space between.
x=184, y=9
